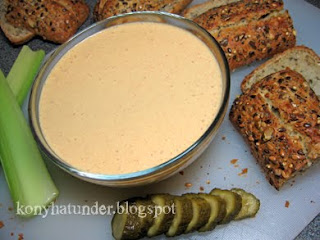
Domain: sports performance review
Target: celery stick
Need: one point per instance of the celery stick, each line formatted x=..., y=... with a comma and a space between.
x=30, y=184
x=23, y=72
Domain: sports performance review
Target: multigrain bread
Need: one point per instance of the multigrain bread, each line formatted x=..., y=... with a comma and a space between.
x=248, y=30
x=54, y=20
x=234, y=13
x=198, y=9
x=108, y=8
x=300, y=59
x=16, y=35
x=254, y=40
x=279, y=117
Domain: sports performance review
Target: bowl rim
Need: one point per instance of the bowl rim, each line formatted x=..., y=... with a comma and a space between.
x=33, y=104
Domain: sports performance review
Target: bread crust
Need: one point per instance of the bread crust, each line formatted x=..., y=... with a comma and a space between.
x=108, y=8
x=275, y=59
x=279, y=118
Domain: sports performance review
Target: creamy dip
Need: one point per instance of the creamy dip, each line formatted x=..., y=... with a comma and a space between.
x=130, y=97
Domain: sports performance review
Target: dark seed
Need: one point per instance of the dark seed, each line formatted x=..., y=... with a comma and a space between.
x=300, y=152
x=282, y=138
x=268, y=121
x=224, y=42
x=252, y=44
x=307, y=125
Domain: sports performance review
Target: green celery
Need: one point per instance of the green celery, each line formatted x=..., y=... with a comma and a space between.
x=23, y=72
x=30, y=184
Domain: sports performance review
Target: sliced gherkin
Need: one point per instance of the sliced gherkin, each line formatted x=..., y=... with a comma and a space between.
x=133, y=219
x=182, y=216
x=201, y=212
x=217, y=212
x=250, y=204
x=164, y=209
x=233, y=203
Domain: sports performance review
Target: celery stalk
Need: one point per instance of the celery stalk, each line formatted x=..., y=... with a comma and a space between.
x=23, y=72
x=30, y=184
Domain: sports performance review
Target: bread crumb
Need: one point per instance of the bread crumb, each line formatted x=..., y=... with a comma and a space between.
x=287, y=204
x=201, y=189
x=1, y=224
x=243, y=172
x=181, y=173
x=11, y=234
x=10, y=209
x=208, y=182
x=20, y=236
x=188, y=185
x=234, y=161
x=223, y=138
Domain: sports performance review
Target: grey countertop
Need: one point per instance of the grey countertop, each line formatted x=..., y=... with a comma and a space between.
x=312, y=231
x=8, y=54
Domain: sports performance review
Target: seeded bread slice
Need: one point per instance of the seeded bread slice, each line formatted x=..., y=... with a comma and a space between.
x=108, y=8
x=196, y=10
x=234, y=13
x=16, y=35
x=279, y=117
x=300, y=59
x=54, y=20
x=249, y=41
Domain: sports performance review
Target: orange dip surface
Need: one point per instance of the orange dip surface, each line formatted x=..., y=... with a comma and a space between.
x=130, y=97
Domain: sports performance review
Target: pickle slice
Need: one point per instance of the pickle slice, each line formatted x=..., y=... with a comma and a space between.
x=233, y=203
x=218, y=211
x=201, y=212
x=132, y=219
x=250, y=204
x=163, y=214
x=182, y=216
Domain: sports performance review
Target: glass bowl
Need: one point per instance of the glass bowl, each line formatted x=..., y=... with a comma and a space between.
x=163, y=170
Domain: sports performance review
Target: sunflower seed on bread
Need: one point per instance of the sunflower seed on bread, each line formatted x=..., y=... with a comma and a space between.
x=300, y=59
x=279, y=117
